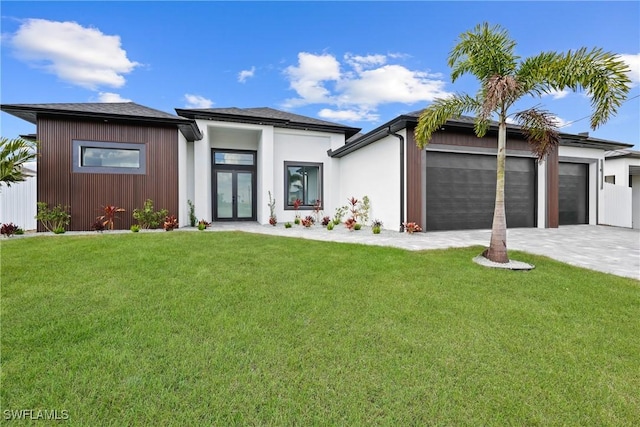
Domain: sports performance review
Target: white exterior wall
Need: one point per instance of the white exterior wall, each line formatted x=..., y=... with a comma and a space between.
x=593, y=157
x=274, y=146
x=301, y=146
x=619, y=167
x=542, y=194
x=617, y=206
x=183, y=179
x=18, y=203
x=374, y=171
x=635, y=203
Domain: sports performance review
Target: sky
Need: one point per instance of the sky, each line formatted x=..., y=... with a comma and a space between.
x=359, y=63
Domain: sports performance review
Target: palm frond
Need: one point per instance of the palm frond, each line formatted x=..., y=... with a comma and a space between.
x=540, y=128
x=437, y=114
x=603, y=75
x=484, y=52
x=13, y=154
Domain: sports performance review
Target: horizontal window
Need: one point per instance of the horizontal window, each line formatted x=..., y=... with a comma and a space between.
x=109, y=157
x=230, y=158
x=303, y=181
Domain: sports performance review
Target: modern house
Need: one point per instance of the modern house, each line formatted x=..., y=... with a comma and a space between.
x=622, y=181
x=226, y=161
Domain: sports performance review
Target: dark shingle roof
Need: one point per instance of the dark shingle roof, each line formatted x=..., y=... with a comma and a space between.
x=125, y=111
x=463, y=122
x=266, y=115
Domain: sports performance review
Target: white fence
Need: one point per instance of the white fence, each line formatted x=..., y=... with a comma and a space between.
x=617, y=205
x=18, y=203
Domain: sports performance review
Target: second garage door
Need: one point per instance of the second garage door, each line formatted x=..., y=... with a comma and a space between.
x=461, y=191
x=573, y=196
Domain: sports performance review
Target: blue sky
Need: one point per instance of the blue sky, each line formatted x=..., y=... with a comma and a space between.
x=357, y=63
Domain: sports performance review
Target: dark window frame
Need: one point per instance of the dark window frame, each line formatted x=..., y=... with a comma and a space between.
x=78, y=145
x=303, y=207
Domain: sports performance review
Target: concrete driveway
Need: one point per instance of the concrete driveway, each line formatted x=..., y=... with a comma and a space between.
x=608, y=249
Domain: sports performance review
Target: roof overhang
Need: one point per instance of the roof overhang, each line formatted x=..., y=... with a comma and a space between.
x=265, y=121
x=409, y=121
x=187, y=127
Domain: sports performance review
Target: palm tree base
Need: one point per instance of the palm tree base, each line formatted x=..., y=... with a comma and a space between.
x=510, y=265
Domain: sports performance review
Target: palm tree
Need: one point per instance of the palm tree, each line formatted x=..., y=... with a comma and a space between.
x=14, y=153
x=488, y=54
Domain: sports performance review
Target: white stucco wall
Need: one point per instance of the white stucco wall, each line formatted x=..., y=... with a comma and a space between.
x=635, y=204
x=619, y=167
x=302, y=146
x=374, y=171
x=274, y=146
x=594, y=158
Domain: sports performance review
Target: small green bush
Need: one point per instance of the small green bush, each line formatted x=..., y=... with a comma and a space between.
x=330, y=226
x=53, y=219
x=59, y=230
x=135, y=228
x=147, y=217
x=357, y=226
x=287, y=225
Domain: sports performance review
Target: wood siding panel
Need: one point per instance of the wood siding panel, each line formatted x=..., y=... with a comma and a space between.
x=413, y=184
x=87, y=193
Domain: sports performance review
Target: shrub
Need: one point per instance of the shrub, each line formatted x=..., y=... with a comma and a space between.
x=19, y=231
x=147, y=217
x=357, y=226
x=109, y=216
x=170, y=223
x=202, y=224
x=412, y=227
x=53, y=219
x=307, y=221
x=59, y=230
x=272, y=210
x=326, y=220
x=135, y=228
x=192, y=214
x=9, y=229
x=98, y=226
x=296, y=221
x=287, y=225
x=350, y=223
x=376, y=226
x=330, y=226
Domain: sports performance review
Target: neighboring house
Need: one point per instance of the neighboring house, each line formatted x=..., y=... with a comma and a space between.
x=227, y=160
x=18, y=202
x=622, y=181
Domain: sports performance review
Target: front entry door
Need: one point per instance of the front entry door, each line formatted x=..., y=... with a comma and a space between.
x=234, y=196
x=234, y=186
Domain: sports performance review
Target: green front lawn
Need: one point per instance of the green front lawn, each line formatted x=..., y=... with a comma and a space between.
x=231, y=328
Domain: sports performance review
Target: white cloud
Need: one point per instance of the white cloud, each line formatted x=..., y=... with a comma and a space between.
x=561, y=123
x=633, y=61
x=308, y=78
x=360, y=85
x=197, y=101
x=82, y=56
x=558, y=94
x=111, y=97
x=246, y=74
x=361, y=62
x=348, y=115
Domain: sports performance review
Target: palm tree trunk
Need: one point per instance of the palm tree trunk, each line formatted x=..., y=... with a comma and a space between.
x=497, y=251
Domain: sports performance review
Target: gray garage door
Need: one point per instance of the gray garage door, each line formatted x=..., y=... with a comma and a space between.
x=461, y=191
x=573, y=195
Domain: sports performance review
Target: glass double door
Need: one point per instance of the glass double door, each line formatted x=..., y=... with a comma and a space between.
x=234, y=181
x=234, y=195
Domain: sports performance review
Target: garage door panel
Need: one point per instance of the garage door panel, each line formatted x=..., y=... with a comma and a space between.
x=573, y=193
x=461, y=191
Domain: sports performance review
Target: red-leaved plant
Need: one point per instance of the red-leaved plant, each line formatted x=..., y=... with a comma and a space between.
x=350, y=223
x=109, y=216
x=411, y=227
x=170, y=222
